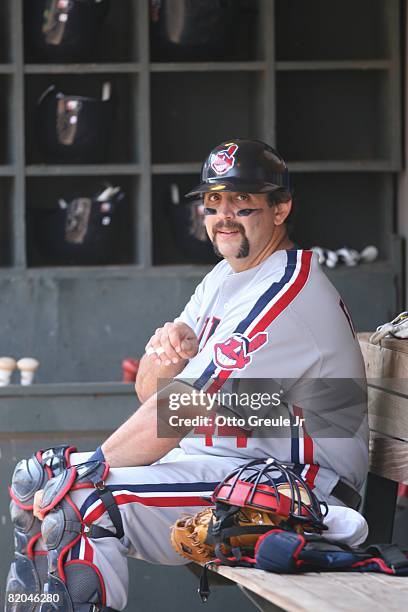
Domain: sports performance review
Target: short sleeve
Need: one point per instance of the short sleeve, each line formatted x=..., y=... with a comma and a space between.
x=191, y=311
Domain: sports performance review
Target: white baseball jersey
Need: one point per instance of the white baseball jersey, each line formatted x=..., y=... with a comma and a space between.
x=282, y=319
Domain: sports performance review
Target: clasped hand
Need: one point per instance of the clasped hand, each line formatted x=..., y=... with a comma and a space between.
x=171, y=344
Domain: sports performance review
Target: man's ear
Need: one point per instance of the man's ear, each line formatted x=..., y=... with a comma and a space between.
x=282, y=211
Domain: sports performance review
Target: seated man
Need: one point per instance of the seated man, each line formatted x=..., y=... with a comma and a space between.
x=265, y=311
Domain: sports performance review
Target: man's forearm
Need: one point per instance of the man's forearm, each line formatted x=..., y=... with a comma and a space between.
x=149, y=373
x=136, y=442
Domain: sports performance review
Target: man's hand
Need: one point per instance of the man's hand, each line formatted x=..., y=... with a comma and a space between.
x=166, y=356
x=37, y=504
x=172, y=343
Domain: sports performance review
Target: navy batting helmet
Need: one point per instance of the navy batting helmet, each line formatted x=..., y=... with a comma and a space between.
x=242, y=165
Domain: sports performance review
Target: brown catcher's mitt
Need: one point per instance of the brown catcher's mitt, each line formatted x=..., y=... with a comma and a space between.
x=189, y=534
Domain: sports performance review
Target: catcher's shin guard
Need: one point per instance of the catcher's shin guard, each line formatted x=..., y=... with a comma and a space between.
x=75, y=585
x=28, y=571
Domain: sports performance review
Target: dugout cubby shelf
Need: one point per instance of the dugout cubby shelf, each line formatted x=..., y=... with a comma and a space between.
x=237, y=24
x=179, y=134
x=338, y=218
x=352, y=129
x=178, y=235
x=46, y=227
x=322, y=87
x=346, y=30
x=123, y=134
x=118, y=39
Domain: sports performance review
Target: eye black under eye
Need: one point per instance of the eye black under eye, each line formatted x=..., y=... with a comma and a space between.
x=209, y=211
x=245, y=212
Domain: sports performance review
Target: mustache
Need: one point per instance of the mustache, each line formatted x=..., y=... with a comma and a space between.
x=229, y=225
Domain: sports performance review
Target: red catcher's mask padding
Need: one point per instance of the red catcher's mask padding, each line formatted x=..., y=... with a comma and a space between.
x=271, y=486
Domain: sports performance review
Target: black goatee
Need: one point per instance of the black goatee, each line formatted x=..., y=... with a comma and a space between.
x=242, y=253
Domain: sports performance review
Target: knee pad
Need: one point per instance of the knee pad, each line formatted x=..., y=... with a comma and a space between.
x=81, y=590
x=28, y=571
x=26, y=528
x=31, y=475
x=25, y=577
x=75, y=585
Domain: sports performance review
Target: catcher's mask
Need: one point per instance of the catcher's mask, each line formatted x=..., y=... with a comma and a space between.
x=262, y=493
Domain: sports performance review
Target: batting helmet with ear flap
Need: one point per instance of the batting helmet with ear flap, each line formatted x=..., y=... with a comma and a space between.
x=250, y=166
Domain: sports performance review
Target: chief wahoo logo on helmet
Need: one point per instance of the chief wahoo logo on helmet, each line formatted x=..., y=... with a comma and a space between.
x=234, y=353
x=224, y=160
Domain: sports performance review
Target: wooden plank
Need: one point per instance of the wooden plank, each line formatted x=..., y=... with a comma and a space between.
x=277, y=589
x=390, y=593
x=259, y=602
x=337, y=595
x=382, y=362
x=395, y=344
x=389, y=457
x=323, y=592
x=363, y=336
x=396, y=582
x=385, y=367
x=388, y=413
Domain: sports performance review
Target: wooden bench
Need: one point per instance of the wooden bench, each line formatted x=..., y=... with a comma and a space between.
x=387, y=373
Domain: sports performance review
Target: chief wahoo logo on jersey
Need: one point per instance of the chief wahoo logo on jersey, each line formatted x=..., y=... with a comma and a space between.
x=224, y=160
x=236, y=352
